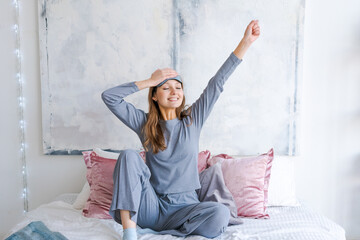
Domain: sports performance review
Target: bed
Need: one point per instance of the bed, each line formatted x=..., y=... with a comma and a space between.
x=298, y=222
x=288, y=216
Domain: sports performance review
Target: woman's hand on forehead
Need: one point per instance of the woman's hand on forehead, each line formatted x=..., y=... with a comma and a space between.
x=161, y=74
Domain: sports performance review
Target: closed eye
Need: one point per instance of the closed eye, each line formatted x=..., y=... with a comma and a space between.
x=168, y=88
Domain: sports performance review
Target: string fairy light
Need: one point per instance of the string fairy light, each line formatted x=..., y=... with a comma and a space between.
x=21, y=101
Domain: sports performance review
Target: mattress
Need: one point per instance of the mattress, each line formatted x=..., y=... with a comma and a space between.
x=298, y=222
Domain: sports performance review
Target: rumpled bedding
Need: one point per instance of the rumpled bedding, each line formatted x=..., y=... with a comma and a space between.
x=295, y=223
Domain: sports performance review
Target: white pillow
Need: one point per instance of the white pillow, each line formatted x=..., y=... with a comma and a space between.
x=82, y=197
x=105, y=154
x=281, y=190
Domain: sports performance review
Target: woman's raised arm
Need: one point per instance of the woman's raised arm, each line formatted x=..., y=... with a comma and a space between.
x=202, y=107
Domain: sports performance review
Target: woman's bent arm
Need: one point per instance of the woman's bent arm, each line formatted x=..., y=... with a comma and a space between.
x=143, y=84
x=131, y=116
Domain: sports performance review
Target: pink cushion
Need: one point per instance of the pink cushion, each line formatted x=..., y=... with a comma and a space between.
x=99, y=175
x=203, y=159
x=248, y=181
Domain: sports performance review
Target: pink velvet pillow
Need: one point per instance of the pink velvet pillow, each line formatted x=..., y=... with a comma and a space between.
x=99, y=175
x=248, y=181
x=203, y=159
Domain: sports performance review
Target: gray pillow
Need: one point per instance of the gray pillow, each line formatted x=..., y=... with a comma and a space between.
x=213, y=189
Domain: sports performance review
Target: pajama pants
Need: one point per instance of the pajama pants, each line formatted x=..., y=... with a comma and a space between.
x=178, y=214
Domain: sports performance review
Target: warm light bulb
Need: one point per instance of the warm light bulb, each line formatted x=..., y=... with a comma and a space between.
x=17, y=52
x=16, y=28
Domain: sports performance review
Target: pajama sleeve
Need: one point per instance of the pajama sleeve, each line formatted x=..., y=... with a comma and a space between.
x=202, y=107
x=127, y=113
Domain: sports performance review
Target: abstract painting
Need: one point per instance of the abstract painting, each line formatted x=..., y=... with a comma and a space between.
x=88, y=46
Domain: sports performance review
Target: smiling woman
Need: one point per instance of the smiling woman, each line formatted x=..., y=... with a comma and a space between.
x=160, y=194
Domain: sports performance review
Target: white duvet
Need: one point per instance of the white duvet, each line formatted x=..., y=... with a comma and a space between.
x=284, y=223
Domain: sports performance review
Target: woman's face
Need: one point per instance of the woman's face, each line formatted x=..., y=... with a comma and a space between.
x=169, y=95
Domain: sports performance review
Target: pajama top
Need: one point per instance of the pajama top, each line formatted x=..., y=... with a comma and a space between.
x=173, y=170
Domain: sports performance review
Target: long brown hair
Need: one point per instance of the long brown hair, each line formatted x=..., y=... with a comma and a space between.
x=154, y=137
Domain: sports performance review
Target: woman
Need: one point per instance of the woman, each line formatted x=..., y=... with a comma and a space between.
x=160, y=194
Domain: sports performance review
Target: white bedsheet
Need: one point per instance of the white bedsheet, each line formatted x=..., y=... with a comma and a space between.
x=284, y=223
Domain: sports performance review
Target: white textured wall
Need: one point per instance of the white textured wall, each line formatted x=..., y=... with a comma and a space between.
x=330, y=118
x=328, y=177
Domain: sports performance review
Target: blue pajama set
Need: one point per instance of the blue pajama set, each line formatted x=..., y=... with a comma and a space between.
x=161, y=193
